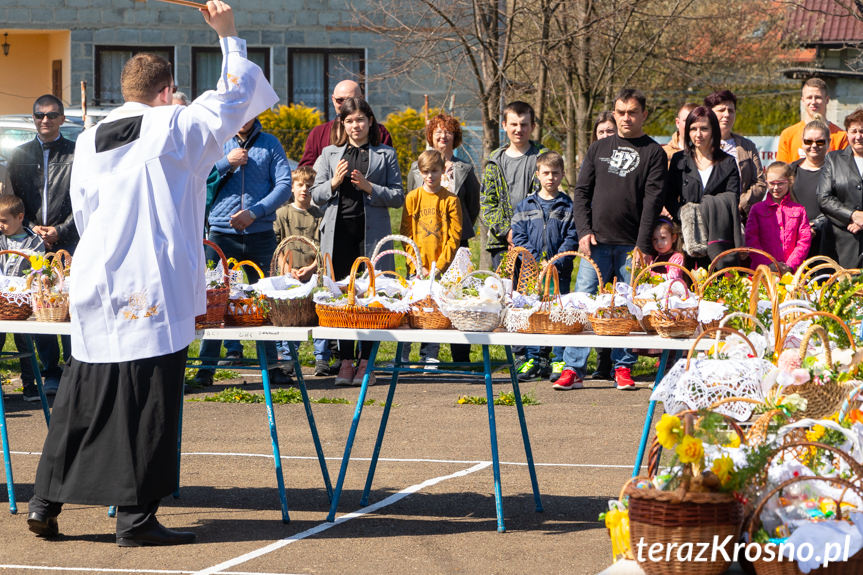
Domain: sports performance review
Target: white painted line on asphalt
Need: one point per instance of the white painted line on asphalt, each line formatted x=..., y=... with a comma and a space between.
x=103, y=570
x=389, y=459
x=395, y=497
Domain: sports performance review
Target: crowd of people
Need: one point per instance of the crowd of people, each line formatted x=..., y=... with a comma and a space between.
x=129, y=202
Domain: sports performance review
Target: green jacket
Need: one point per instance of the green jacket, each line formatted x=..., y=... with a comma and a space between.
x=496, y=205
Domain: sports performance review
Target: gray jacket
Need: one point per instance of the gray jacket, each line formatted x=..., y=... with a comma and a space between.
x=465, y=186
x=387, y=192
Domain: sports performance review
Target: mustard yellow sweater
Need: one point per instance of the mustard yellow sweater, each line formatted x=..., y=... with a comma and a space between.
x=433, y=221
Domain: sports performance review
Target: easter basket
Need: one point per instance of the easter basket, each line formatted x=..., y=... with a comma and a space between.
x=217, y=293
x=613, y=320
x=688, y=514
x=296, y=311
x=425, y=313
x=247, y=310
x=647, y=320
x=675, y=322
x=527, y=272
x=469, y=312
x=47, y=286
x=14, y=300
x=351, y=315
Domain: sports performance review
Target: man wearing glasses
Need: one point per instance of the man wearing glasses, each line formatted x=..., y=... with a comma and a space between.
x=40, y=171
x=319, y=137
x=814, y=98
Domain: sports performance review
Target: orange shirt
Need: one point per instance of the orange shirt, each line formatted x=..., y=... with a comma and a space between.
x=791, y=141
x=433, y=221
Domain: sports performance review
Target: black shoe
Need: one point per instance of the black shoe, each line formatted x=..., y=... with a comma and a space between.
x=280, y=378
x=322, y=368
x=288, y=368
x=42, y=525
x=529, y=370
x=544, y=369
x=156, y=535
x=30, y=393
x=231, y=358
x=204, y=378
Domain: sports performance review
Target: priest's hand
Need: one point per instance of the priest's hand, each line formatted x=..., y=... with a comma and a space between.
x=48, y=234
x=220, y=17
x=241, y=220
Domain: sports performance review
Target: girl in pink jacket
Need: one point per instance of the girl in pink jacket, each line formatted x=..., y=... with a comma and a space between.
x=779, y=225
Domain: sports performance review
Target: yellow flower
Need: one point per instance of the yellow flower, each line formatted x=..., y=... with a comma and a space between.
x=669, y=430
x=786, y=279
x=722, y=468
x=816, y=433
x=690, y=450
x=36, y=262
x=734, y=441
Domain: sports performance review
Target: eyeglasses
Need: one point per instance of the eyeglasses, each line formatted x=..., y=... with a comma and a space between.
x=50, y=115
x=777, y=183
x=815, y=142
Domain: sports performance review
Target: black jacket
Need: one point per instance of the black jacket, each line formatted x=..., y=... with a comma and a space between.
x=840, y=193
x=722, y=219
x=26, y=175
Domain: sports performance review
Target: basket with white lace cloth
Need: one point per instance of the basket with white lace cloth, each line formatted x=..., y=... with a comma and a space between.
x=614, y=312
x=424, y=297
x=374, y=311
x=476, y=303
x=14, y=297
x=289, y=298
x=700, y=382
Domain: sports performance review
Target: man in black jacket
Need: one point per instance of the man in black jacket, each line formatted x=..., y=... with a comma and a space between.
x=39, y=172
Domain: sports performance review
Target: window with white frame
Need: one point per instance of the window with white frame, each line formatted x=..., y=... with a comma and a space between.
x=313, y=72
x=109, y=65
x=207, y=65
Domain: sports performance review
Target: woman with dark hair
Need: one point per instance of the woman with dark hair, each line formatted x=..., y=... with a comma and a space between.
x=604, y=126
x=839, y=193
x=357, y=180
x=702, y=177
x=815, y=143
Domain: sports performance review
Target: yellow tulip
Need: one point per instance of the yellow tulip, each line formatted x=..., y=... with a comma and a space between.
x=690, y=450
x=669, y=430
x=722, y=468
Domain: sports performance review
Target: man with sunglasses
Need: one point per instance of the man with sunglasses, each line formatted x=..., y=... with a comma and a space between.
x=40, y=172
x=319, y=138
x=814, y=99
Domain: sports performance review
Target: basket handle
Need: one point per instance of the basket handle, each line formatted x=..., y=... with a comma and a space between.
x=396, y=275
x=507, y=266
x=855, y=467
x=719, y=273
x=406, y=241
x=328, y=266
x=717, y=331
x=487, y=274
x=755, y=517
x=754, y=320
x=226, y=274
x=646, y=270
x=818, y=330
x=61, y=259
x=413, y=259
x=849, y=398
x=352, y=287
x=574, y=254
x=251, y=264
x=17, y=253
x=276, y=269
x=668, y=290
x=810, y=315
x=741, y=249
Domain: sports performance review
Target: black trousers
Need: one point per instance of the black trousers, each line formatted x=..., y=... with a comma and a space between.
x=130, y=518
x=348, y=246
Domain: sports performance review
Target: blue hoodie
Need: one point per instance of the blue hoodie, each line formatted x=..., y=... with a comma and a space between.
x=262, y=185
x=548, y=236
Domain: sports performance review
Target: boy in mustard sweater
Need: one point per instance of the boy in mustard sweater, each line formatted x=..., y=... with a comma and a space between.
x=432, y=218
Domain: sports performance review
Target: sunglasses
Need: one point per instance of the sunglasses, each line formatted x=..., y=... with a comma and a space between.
x=814, y=142
x=50, y=115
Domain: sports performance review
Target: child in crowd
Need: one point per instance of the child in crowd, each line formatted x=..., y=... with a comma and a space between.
x=302, y=218
x=16, y=236
x=432, y=219
x=666, y=242
x=543, y=224
x=778, y=225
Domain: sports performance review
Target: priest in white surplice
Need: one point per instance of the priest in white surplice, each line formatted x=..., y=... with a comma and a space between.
x=137, y=283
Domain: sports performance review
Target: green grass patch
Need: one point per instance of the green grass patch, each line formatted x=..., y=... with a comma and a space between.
x=281, y=396
x=503, y=398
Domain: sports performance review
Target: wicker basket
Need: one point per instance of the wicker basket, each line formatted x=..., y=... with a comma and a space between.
x=741, y=250
x=540, y=321
x=647, y=321
x=298, y=311
x=682, y=516
x=11, y=310
x=467, y=320
x=425, y=313
x=246, y=311
x=528, y=272
x=682, y=322
x=217, y=297
x=616, y=320
x=47, y=298
x=355, y=316
x=854, y=565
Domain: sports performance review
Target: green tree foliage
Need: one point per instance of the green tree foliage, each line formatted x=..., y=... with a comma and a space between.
x=408, y=130
x=291, y=125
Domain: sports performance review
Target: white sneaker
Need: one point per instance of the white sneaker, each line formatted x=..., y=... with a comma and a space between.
x=431, y=363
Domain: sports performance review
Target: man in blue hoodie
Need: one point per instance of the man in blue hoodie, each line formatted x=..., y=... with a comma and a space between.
x=254, y=181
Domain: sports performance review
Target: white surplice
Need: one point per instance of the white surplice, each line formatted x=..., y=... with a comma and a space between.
x=138, y=194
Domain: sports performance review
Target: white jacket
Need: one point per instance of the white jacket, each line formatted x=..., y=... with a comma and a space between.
x=138, y=193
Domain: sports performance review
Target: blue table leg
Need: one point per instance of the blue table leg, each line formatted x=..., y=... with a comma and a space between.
x=648, y=419
x=7, y=459
x=298, y=371
x=337, y=493
x=180, y=437
x=274, y=436
x=37, y=374
x=492, y=431
x=397, y=362
x=112, y=511
x=528, y=453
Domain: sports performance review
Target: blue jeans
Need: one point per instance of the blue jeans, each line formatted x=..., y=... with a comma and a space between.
x=612, y=261
x=49, y=353
x=322, y=349
x=258, y=248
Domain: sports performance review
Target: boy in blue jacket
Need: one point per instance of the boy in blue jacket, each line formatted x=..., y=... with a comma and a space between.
x=542, y=223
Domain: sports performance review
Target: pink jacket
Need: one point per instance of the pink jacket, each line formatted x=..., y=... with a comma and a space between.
x=781, y=230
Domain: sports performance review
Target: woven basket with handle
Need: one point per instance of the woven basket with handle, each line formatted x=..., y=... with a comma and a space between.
x=356, y=316
x=217, y=297
x=17, y=305
x=246, y=311
x=299, y=311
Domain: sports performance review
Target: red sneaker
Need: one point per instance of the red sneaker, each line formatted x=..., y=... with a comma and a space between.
x=568, y=380
x=623, y=377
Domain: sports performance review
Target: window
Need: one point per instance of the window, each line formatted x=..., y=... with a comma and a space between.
x=207, y=65
x=109, y=65
x=312, y=74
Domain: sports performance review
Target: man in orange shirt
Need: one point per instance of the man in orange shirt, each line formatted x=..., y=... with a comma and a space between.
x=814, y=97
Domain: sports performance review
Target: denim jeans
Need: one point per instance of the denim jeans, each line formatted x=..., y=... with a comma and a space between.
x=612, y=261
x=258, y=248
x=322, y=349
x=49, y=353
